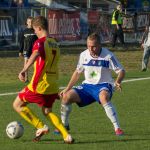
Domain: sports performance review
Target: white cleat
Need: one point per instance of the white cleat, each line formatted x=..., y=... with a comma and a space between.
x=69, y=139
x=40, y=132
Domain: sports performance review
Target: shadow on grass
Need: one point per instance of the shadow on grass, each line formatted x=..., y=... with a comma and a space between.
x=127, y=138
x=110, y=141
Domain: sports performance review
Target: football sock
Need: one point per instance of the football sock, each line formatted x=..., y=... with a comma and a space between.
x=31, y=118
x=111, y=113
x=65, y=111
x=57, y=123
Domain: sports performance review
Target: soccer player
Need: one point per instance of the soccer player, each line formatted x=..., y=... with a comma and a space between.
x=27, y=39
x=96, y=63
x=43, y=88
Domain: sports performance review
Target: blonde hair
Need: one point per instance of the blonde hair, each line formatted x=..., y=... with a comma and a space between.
x=94, y=36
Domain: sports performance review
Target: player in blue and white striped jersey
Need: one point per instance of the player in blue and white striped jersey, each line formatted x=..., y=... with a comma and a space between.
x=97, y=64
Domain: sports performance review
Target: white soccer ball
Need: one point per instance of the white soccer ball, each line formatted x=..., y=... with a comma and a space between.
x=14, y=130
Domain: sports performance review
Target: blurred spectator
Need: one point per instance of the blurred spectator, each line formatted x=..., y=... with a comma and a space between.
x=14, y=3
x=20, y=3
x=116, y=23
x=17, y=3
x=27, y=40
x=146, y=46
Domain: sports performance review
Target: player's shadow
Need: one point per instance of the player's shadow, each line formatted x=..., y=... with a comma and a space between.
x=110, y=141
x=47, y=141
x=60, y=141
x=125, y=138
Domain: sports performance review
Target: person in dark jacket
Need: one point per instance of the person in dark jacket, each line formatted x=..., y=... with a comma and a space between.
x=116, y=23
x=27, y=39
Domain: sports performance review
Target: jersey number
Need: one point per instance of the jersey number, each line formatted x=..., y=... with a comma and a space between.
x=52, y=63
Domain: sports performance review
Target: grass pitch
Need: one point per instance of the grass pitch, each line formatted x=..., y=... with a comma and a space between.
x=89, y=125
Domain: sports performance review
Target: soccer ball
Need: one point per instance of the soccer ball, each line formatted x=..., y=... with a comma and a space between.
x=14, y=130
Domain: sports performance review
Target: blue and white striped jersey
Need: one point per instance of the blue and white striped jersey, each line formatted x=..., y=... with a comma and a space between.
x=98, y=70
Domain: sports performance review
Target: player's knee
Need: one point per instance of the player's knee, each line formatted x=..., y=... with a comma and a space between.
x=66, y=98
x=16, y=106
x=104, y=96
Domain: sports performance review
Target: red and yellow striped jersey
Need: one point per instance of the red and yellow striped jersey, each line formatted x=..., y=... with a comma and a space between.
x=45, y=76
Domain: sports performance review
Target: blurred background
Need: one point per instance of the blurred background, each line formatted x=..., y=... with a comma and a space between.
x=70, y=21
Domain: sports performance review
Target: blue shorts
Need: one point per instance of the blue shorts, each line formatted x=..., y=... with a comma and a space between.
x=89, y=93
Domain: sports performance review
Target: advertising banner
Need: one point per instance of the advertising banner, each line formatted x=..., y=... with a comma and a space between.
x=93, y=17
x=6, y=30
x=64, y=25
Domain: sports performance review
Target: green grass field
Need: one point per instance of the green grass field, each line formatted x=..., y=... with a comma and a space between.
x=89, y=125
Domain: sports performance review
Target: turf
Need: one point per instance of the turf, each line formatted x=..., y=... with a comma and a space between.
x=89, y=126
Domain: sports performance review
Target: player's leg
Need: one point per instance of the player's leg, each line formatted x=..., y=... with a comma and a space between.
x=65, y=112
x=57, y=123
x=26, y=113
x=104, y=97
x=20, y=105
x=114, y=35
x=66, y=106
x=121, y=36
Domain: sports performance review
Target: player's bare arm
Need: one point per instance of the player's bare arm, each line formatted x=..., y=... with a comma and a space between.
x=119, y=79
x=75, y=77
x=31, y=60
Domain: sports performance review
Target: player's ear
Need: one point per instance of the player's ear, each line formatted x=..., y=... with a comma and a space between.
x=40, y=28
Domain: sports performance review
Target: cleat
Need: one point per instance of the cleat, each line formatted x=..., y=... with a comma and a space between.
x=119, y=132
x=56, y=131
x=144, y=69
x=69, y=139
x=67, y=127
x=40, y=132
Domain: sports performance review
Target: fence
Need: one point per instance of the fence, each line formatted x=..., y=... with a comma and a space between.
x=69, y=26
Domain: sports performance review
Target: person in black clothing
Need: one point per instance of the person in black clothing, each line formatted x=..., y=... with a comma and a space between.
x=116, y=23
x=27, y=39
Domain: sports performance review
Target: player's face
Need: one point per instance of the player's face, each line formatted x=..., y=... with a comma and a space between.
x=37, y=30
x=29, y=23
x=119, y=7
x=94, y=47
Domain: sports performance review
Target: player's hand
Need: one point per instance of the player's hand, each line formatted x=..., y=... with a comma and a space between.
x=61, y=94
x=118, y=86
x=20, y=54
x=21, y=76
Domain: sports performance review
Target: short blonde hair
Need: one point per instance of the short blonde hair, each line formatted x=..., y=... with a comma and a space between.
x=94, y=36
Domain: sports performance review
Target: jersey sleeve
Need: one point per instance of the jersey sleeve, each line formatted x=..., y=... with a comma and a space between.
x=80, y=66
x=115, y=65
x=38, y=46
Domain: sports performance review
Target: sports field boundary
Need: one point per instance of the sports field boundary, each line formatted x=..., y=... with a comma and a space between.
x=125, y=81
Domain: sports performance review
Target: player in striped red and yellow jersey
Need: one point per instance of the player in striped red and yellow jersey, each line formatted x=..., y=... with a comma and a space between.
x=43, y=88
x=45, y=77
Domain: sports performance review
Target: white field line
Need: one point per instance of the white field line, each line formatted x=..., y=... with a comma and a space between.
x=129, y=80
